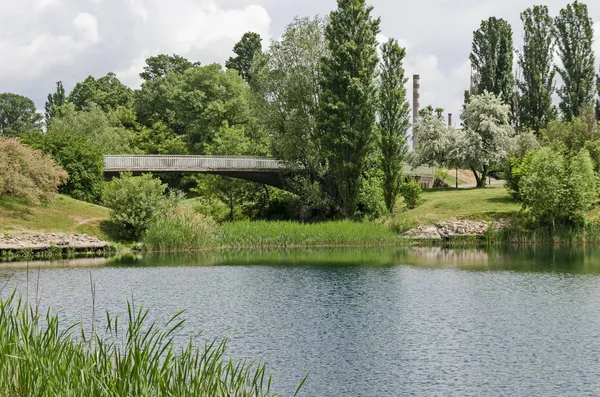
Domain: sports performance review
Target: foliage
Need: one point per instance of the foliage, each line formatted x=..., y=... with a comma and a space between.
x=572, y=135
x=139, y=359
x=80, y=157
x=56, y=99
x=136, y=202
x=195, y=104
x=94, y=125
x=394, y=120
x=245, y=50
x=517, y=168
x=18, y=115
x=371, y=201
x=492, y=59
x=158, y=139
x=106, y=92
x=487, y=134
x=286, y=92
x=557, y=190
x=161, y=65
x=411, y=193
x=575, y=38
x=180, y=229
x=435, y=140
x=346, y=117
x=536, y=62
x=227, y=142
x=27, y=173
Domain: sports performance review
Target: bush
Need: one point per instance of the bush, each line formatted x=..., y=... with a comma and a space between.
x=180, y=230
x=27, y=173
x=517, y=168
x=136, y=202
x=411, y=193
x=559, y=191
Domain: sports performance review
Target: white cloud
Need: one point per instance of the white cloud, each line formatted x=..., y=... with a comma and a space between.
x=87, y=25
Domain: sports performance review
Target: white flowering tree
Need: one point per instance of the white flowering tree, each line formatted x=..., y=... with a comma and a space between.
x=488, y=135
x=485, y=140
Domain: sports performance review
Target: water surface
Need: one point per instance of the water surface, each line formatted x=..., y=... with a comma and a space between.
x=366, y=322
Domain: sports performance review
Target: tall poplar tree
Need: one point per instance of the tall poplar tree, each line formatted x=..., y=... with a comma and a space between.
x=394, y=120
x=346, y=117
x=574, y=37
x=536, y=85
x=54, y=100
x=492, y=59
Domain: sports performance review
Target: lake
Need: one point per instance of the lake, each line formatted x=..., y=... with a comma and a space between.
x=363, y=322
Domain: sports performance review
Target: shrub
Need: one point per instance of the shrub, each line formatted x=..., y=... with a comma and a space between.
x=559, y=191
x=411, y=193
x=180, y=229
x=136, y=202
x=517, y=168
x=27, y=173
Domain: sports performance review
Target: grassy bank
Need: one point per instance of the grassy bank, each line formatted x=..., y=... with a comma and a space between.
x=487, y=204
x=62, y=215
x=41, y=357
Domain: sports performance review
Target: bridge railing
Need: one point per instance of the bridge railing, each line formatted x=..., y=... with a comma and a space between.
x=116, y=163
x=178, y=163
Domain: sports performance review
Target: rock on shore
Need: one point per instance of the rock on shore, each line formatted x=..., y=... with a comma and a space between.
x=40, y=241
x=448, y=229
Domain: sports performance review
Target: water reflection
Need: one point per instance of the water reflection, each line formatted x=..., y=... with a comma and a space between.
x=565, y=259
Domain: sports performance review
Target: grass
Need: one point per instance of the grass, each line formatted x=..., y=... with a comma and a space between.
x=487, y=204
x=62, y=215
x=41, y=357
x=293, y=234
x=186, y=234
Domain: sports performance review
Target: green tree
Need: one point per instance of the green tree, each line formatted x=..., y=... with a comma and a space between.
x=56, y=99
x=571, y=136
x=194, y=104
x=95, y=126
x=245, y=50
x=79, y=157
x=107, y=92
x=161, y=65
x=18, y=115
x=487, y=135
x=349, y=100
x=536, y=63
x=286, y=96
x=394, y=120
x=574, y=33
x=557, y=190
x=135, y=203
x=492, y=59
x=229, y=141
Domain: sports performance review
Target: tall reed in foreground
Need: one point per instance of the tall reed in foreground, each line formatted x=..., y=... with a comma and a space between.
x=40, y=357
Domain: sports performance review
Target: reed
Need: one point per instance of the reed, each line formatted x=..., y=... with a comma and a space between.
x=262, y=234
x=41, y=357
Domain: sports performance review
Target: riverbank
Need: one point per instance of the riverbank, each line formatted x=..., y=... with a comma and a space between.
x=446, y=217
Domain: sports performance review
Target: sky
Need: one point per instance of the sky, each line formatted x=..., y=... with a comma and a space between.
x=44, y=41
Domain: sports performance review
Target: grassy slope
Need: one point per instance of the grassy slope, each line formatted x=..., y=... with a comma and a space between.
x=492, y=202
x=62, y=215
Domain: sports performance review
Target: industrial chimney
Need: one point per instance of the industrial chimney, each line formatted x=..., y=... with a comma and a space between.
x=416, y=104
x=449, y=119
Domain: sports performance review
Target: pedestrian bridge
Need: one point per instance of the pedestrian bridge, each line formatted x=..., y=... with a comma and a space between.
x=264, y=170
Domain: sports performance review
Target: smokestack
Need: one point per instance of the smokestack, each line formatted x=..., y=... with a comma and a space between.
x=416, y=103
x=449, y=119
